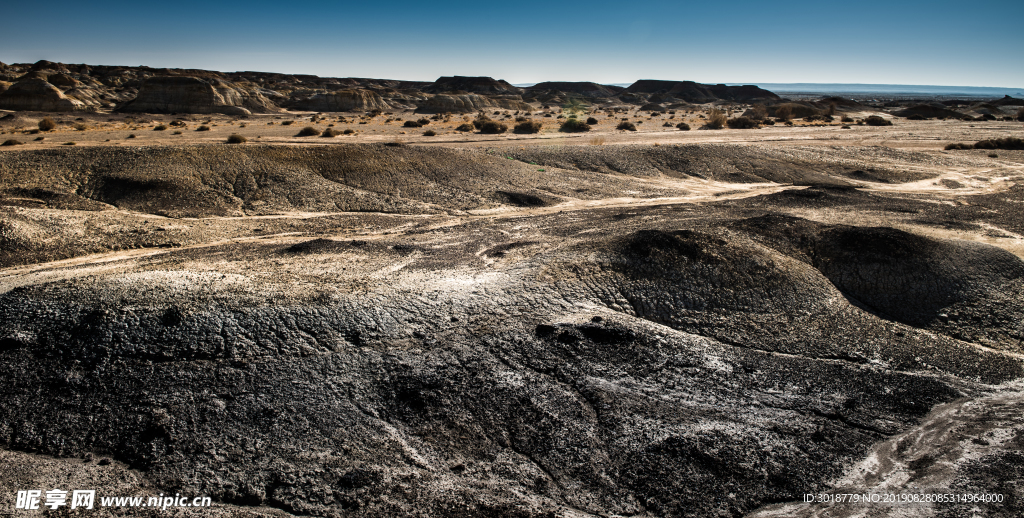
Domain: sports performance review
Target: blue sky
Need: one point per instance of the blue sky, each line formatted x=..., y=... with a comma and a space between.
x=978, y=43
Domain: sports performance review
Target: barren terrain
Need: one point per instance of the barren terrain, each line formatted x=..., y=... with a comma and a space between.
x=613, y=323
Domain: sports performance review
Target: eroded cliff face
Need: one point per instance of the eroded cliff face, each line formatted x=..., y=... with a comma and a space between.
x=37, y=95
x=183, y=94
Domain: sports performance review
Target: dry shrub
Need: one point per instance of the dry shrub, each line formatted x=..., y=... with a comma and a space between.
x=758, y=112
x=81, y=127
x=683, y=126
x=348, y=131
x=429, y=133
x=235, y=138
x=412, y=124
x=526, y=126
x=47, y=124
x=716, y=119
x=784, y=113
x=596, y=141
x=742, y=123
x=592, y=121
x=492, y=127
x=330, y=132
x=12, y=142
x=203, y=128
x=1000, y=143
x=131, y=135
x=574, y=126
x=626, y=126
x=287, y=123
x=308, y=131
x=875, y=120
x=465, y=127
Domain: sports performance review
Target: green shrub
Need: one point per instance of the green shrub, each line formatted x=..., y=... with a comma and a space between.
x=527, y=126
x=235, y=138
x=626, y=126
x=683, y=126
x=492, y=127
x=574, y=126
x=412, y=124
x=47, y=124
x=308, y=131
x=875, y=120
x=465, y=127
x=742, y=123
x=591, y=121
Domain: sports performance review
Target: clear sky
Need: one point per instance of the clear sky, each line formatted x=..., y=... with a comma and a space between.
x=978, y=43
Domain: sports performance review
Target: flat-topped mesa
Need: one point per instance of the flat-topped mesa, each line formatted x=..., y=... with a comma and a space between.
x=185, y=94
x=582, y=88
x=478, y=85
x=35, y=94
x=690, y=91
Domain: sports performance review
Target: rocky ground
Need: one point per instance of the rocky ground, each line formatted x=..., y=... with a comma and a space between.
x=516, y=328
